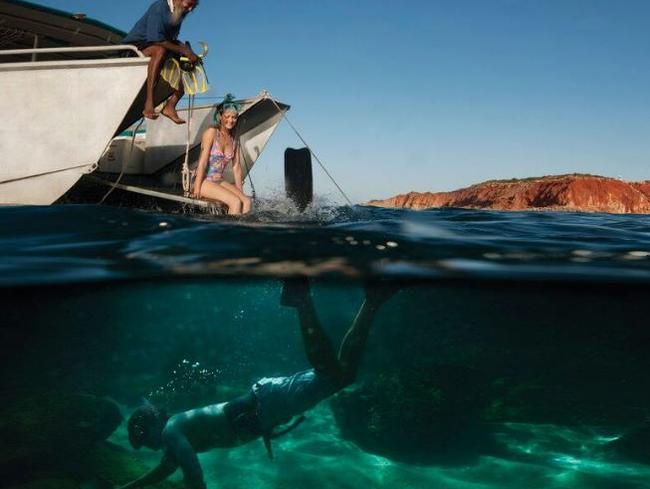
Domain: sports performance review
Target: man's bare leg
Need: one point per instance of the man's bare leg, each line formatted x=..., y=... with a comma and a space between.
x=157, y=55
x=354, y=341
x=318, y=347
x=169, y=110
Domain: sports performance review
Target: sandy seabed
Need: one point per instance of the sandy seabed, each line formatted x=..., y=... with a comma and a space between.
x=314, y=455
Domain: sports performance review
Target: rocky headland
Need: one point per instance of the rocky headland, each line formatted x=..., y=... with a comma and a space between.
x=576, y=192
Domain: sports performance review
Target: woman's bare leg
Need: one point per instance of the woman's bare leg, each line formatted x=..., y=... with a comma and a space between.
x=216, y=192
x=245, y=199
x=318, y=347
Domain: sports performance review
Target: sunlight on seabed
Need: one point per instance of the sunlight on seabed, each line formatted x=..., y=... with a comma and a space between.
x=318, y=449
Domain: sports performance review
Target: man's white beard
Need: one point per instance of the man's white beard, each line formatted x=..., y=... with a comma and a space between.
x=177, y=14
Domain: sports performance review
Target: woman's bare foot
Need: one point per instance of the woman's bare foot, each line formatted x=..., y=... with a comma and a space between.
x=171, y=114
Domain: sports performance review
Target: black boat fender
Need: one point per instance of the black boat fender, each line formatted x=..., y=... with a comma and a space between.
x=298, y=177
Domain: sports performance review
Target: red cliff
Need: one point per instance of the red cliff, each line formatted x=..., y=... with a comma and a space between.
x=585, y=193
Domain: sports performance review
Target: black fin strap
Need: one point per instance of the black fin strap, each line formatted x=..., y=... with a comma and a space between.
x=268, y=436
x=294, y=424
x=267, y=444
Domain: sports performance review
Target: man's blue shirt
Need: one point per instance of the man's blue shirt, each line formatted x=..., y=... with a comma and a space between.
x=155, y=26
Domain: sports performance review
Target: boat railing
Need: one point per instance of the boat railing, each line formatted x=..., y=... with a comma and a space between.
x=73, y=50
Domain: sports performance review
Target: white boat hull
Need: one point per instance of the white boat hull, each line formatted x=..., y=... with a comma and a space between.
x=125, y=153
x=166, y=142
x=41, y=190
x=58, y=118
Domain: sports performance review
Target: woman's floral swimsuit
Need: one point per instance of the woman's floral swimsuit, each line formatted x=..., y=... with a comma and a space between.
x=219, y=160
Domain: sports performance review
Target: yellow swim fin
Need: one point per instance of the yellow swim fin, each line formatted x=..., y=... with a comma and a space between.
x=192, y=76
x=195, y=81
x=171, y=73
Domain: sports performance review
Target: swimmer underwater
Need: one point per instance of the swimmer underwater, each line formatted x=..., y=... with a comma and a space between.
x=271, y=403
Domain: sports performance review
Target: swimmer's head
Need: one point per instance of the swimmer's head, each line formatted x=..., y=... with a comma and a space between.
x=227, y=112
x=145, y=427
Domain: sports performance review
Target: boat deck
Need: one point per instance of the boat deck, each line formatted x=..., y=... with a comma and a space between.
x=168, y=196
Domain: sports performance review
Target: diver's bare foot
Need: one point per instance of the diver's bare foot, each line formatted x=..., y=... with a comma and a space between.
x=379, y=292
x=172, y=115
x=295, y=291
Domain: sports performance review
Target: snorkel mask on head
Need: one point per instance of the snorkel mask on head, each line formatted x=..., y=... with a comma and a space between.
x=229, y=103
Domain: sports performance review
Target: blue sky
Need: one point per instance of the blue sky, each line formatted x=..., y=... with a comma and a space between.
x=433, y=95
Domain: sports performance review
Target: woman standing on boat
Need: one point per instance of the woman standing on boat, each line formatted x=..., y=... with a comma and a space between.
x=219, y=148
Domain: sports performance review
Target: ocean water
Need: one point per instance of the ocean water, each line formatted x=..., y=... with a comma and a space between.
x=513, y=352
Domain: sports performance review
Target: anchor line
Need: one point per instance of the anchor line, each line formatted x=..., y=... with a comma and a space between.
x=124, y=161
x=51, y=172
x=242, y=156
x=284, y=116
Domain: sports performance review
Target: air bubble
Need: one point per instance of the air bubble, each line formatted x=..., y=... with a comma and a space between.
x=491, y=256
x=639, y=254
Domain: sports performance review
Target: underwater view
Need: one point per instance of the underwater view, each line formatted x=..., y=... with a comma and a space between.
x=497, y=350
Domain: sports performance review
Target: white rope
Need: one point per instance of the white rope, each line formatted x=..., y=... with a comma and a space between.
x=242, y=155
x=186, y=166
x=124, y=162
x=284, y=116
x=51, y=172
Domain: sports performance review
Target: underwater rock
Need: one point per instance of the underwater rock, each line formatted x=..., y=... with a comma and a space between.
x=50, y=433
x=49, y=484
x=428, y=415
x=112, y=465
x=576, y=192
x=548, y=399
x=104, y=466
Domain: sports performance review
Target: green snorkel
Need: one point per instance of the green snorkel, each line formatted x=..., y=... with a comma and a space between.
x=229, y=103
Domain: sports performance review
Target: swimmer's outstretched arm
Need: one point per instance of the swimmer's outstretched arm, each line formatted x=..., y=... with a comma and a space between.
x=179, y=448
x=165, y=468
x=178, y=452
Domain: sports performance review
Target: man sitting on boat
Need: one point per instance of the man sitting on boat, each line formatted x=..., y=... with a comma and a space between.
x=271, y=402
x=156, y=35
